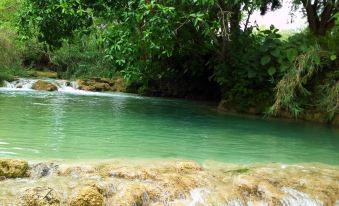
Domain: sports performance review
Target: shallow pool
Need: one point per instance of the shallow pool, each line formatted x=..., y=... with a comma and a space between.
x=56, y=125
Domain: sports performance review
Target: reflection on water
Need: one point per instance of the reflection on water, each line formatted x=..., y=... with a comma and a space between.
x=71, y=126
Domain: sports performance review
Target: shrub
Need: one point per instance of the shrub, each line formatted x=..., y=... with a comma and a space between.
x=83, y=57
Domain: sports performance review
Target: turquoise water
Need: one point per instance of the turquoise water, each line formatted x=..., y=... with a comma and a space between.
x=39, y=125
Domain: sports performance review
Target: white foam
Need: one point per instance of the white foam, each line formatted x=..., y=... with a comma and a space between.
x=68, y=87
x=294, y=197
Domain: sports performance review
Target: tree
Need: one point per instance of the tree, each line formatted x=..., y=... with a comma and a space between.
x=320, y=14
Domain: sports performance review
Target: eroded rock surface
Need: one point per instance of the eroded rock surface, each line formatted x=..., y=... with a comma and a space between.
x=11, y=168
x=153, y=183
x=44, y=86
x=40, y=196
x=102, y=84
x=87, y=196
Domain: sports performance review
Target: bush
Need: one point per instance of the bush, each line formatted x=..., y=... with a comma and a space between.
x=10, y=52
x=81, y=58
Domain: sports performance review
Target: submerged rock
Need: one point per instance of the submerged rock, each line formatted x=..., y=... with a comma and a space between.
x=40, y=196
x=11, y=168
x=87, y=196
x=42, y=169
x=44, y=86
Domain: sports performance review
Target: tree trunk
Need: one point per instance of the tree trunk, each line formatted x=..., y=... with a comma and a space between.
x=320, y=24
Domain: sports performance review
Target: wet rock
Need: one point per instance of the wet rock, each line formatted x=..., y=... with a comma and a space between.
x=40, y=196
x=42, y=170
x=44, y=86
x=136, y=194
x=120, y=85
x=130, y=173
x=102, y=84
x=314, y=117
x=187, y=167
x=68, y=83
x=88, y=88
x=87, y=196
x=178, y=186
x=78, y=171
x=11, y=168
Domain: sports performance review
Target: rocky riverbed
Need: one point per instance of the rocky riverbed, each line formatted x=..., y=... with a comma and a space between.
x=165, y=182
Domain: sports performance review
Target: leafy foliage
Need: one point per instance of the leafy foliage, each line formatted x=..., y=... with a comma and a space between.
x=188, y=48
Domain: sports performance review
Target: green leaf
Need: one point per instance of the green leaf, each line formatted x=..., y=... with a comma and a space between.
x=291, y=54
x=275, y=52
x=251, y=74
x=317, y=60
x=265, y=60
x=271, y=71
x=333, y=57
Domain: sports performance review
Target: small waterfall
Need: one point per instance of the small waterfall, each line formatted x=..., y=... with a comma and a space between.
x=63, y=86
x=22, y=84
x=294, y=197
x=26, y=85
x=197, y=196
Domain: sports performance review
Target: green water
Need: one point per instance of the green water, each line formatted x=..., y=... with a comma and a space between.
x=38, y=125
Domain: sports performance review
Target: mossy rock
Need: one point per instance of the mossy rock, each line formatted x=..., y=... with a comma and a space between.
x=11, y=168
x=88, y=196
x=40, y=196
x=102, y=84
x=44, y=86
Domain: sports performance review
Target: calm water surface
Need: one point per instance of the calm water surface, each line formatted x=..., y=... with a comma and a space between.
x=39, y=125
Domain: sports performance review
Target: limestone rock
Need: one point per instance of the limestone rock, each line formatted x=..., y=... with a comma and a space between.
x=40, y=196
x=102, y=84
x=11, y=168
x=136, y=194
x=187, y=167
x=88, y=196
x=120, y=85
x=42, y=169
x=44, y=86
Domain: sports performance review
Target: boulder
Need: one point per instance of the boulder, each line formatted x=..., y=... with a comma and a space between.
x=87, y=196
x=11, y=168
x=40, y=196
x=102, y=84
x=44, y=86
x=119, y=85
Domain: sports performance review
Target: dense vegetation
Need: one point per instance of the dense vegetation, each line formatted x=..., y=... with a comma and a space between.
x=202, y=49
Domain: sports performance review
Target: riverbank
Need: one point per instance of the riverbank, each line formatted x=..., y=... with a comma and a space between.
x=166, y=182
